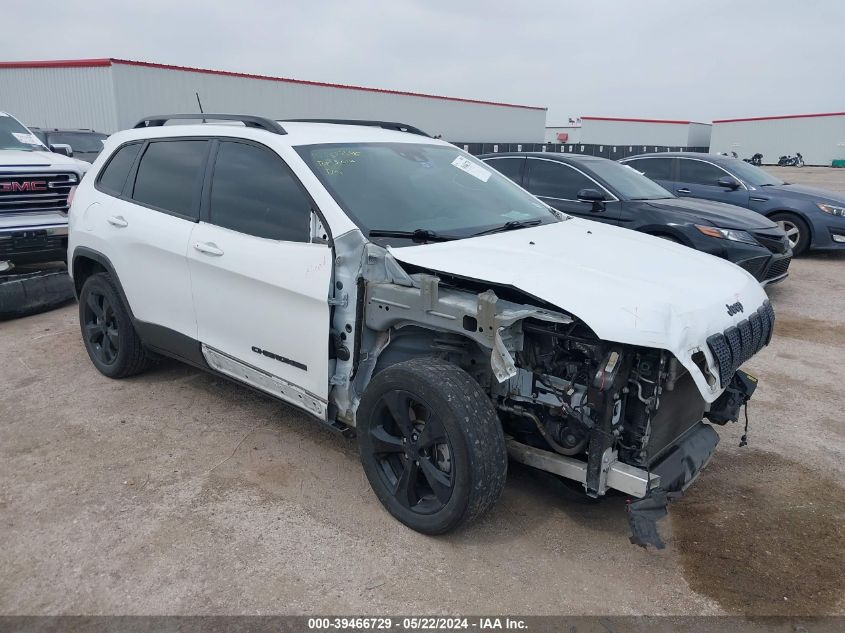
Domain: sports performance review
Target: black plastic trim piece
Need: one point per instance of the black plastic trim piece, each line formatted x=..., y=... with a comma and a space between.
x=248, y=120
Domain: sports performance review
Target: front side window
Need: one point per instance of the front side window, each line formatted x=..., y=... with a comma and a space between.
x=556, y=180
x=697, y=172
x=510, y=167
x=654, y=168
x=625, y=181
x=752, y=174
x=170, y=176
x=410, y=186
x=254, y=192
x=113, y=177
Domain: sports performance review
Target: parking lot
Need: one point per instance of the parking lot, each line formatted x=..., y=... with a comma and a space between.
x=177, y=492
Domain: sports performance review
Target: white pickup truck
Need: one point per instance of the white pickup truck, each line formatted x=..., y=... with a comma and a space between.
x=35, y=186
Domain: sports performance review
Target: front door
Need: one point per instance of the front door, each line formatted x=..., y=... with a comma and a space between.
x=700, y=179
x=260, y=287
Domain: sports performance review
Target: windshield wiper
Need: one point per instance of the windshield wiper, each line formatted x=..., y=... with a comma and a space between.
x=420, y=236
x=509, y=226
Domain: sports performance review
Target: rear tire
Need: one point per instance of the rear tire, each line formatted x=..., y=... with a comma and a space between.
x=796, y=230
x=110, y=339
x=431, y=445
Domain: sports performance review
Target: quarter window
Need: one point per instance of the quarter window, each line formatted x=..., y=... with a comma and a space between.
x=555, y=180
x=170, y=176
x=114, y=175
x=254, y=192
x=654, y=168
x=697, y=172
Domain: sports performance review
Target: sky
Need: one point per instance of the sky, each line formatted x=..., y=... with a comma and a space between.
x=677, y=59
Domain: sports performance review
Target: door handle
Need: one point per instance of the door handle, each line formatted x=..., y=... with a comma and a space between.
x=118, y=221
x=209, y=248
x=684, y=190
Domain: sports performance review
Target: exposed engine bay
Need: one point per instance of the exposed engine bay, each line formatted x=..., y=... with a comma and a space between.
x=603, y=414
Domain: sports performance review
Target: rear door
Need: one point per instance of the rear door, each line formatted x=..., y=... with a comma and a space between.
x=151, y=205
x=558, y=184
x=260, y=286
x=700, y=179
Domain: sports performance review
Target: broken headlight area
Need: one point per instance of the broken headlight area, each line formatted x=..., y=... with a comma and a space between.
x=612, y=417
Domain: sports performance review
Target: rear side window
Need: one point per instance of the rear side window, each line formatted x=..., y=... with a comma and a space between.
x=170, y=176
x=555, y=180
x=254, y=192
x=700, y=173
x=654, y=168
x=114, y=175
x=510, y=167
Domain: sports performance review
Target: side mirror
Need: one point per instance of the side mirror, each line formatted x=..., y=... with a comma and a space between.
x=62, y=148
x=728, y=183
x=592, y=195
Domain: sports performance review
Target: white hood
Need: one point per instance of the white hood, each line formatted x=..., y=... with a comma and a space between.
x=43, y=159
x=628, y=287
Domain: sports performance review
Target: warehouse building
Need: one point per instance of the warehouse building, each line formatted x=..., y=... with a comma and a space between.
x=647, y=133
x=563, y=133
x=112, y=94
x=820, y=138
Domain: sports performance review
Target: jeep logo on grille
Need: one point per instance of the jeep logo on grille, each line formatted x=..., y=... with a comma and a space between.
x=26, y=185
x=734, y=308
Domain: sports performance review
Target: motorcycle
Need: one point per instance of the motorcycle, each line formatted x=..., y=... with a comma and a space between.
x=757, y=159
x=791, y=161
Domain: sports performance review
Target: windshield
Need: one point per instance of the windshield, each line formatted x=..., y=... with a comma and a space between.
x=409, y=186
x=13, y=135
x=750, y=174
x=627, y=181
x=79, y=141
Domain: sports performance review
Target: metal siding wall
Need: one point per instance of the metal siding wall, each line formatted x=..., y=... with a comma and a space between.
x=60, y=97
x=819, y=139
x=143, y=91
x=633, y=133
x=699, y=135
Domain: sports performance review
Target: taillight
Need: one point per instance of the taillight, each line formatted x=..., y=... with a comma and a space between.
x=70, y=195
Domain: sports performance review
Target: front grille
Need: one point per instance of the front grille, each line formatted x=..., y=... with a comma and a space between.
x=773, y=239
x=23, y=192
x=755, y=265
x=778, y=268
x=739, y=343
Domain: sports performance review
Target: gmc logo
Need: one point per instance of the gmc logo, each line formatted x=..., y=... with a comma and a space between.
x=26, y=185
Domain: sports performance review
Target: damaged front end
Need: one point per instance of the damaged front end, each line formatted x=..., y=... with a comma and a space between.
x=608, y=415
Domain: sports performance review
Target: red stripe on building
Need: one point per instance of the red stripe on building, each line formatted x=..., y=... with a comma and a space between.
x=784, y=116
x=90, y=63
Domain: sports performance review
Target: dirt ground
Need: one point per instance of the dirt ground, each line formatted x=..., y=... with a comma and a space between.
x=176, y=492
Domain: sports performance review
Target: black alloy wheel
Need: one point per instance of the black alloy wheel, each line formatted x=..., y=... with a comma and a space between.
x=100, y=328
x=412, y=451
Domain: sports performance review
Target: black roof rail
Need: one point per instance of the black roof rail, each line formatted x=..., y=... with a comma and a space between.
x=248, y=120
x=387, y=125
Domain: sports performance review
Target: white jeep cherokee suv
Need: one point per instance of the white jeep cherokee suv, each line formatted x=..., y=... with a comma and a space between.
x=35, y=185
x=397, y=288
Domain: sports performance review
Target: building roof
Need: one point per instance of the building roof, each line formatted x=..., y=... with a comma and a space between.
x=612, y=118
x=111, y=61
x=783, y=116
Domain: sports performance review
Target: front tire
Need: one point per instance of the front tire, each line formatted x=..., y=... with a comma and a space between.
x=431, y=445
x=796, y=230
x=110, y=339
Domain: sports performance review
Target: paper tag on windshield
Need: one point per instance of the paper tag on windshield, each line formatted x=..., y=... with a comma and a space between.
x=29, y=139
x=476, y=171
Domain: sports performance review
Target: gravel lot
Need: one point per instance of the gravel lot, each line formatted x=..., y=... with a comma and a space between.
x=176, y=492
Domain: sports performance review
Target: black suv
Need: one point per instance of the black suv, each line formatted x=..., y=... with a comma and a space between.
x=603, y=190
x=86, y=144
